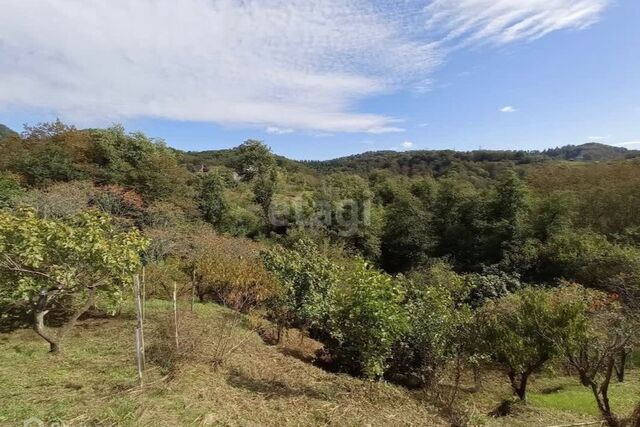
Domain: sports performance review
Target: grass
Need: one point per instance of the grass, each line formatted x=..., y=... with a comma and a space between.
x=94, y=383
x=578, y=399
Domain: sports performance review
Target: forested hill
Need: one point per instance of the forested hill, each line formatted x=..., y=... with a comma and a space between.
x=413, y=163
x=427, y=162
x=5, y=131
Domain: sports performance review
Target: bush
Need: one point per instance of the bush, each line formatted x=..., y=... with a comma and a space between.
x=437, y=317
x=305, y=277
x=229, y=270
x=365, y=319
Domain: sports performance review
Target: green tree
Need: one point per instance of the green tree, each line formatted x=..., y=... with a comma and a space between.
x=522, y=330
x=366, y=319
x=306, y=276
x=212, y=201
x=44, y=261
x=253, y=158
x=407, y=239
x=438, y=318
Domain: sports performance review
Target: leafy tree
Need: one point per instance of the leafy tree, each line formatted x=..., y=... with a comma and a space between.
x=253, y=158
x=229, y=271
x=46, y=260
x=366, y=319
x=492, y=283
x=10, y=190
x=306, y=276
x=604, y=332
x=264, y=190
x=147, y=165
x=212, y=201
x=438, y=318
x=522, y=330
x=408, y=238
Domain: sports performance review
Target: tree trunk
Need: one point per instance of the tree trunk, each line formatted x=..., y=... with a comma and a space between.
x=519, y=383
x=55, y=342
x=602, y=396
x=38, y=326
x=620, y=366
x=69, y=324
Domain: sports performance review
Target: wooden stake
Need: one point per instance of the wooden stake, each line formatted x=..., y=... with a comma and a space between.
x=175, y=311
x=193, y=288
x=139, y=329
x=144, y=295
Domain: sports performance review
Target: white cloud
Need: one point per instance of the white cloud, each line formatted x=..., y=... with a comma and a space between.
x=274, y=130
x=286, y=64
x=423, y=125
x=407, y=144
x=508, y=109
x=504, y=21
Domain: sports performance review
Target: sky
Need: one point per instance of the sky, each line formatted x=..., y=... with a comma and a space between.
x=319, y=79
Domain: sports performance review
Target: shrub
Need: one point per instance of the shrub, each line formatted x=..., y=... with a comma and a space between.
x=305, y=276
x=437, y=317
x=365, y=319
x=229, y=270
x=199, y=342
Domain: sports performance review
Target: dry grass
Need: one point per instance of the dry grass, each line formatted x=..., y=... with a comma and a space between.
x=95, y=383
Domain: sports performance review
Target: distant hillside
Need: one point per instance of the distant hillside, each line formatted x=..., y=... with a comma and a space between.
x=591, y=152
x=432, y=162
x=5, y=131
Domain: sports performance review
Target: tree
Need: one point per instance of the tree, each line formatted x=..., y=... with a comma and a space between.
x=44, y=261
x=521, y=331
x=212, y=201
x=438, y=317
x=254, y=158
x=366, y=319
x=605, y=332
x=306, y=276
x=407, y=239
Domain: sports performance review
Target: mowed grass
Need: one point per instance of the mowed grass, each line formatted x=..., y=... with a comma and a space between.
x=94, y=383
x=578, y=399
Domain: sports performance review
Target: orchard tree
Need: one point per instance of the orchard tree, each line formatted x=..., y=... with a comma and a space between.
x=606, y=331
x=45, y=262
x=523, y=330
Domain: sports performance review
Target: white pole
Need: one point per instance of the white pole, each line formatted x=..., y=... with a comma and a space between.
x=175, y=311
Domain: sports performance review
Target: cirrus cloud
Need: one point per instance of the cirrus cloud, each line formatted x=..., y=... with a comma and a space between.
x=278, y=64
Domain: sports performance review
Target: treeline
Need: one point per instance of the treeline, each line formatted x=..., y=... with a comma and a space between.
x=399, y=266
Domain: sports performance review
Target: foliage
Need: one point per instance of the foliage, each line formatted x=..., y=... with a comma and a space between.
x=366, y=318
x=306, y=277
x=229, y=270
x=438, y=319
x=603, y=334
x=521, y=331
x=211, y=200
x=492, y=283
x=44, y=260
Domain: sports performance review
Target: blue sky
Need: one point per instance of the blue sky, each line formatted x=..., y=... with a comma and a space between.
x=322, y=79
